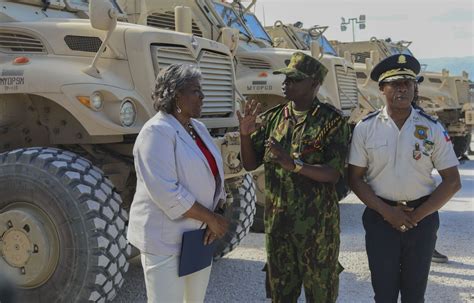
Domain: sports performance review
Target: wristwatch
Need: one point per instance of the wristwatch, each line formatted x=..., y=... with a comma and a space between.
x=298, y=165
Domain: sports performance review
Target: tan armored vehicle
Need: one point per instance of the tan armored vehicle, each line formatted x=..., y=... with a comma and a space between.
x=73, y=96
x=441, y=95
x=255, y=55
x=294, y=36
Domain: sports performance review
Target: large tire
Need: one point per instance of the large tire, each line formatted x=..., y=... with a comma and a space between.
x=461, y=144
x=64, y=219
x=258, y=222
x=240, y=210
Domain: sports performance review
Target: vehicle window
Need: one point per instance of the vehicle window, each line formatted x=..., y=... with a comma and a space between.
x=256, y=27
x=230, y=18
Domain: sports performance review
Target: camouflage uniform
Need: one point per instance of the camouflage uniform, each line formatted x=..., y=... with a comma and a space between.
x=302, y=215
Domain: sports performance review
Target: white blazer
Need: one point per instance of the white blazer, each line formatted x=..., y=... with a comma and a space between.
x=172, y=173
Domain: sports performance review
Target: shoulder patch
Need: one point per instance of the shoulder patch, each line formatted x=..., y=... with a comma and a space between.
x=424, y=114
x=371, y=115
x=332, y=107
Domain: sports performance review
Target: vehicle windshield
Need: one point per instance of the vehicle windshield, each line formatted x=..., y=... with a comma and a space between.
x=256, y=27
x=230, y=18
x=322, y=41
x=405, y=51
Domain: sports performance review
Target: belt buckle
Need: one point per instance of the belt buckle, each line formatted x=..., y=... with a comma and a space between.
x=402, y=203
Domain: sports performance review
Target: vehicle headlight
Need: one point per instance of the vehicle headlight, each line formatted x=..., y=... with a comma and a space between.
x=96, y=101
x=128, y=113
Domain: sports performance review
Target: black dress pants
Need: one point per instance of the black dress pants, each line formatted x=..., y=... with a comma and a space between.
x=399, y=262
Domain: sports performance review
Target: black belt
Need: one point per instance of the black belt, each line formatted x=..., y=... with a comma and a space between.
x=413, y=203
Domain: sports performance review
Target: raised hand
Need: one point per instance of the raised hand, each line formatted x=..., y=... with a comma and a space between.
x=248, y=122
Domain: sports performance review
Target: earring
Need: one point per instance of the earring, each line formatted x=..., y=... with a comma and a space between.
x=178, y=109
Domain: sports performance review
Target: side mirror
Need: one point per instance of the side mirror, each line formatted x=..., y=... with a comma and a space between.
x=465, y=75
x=445, y=73
x=316, y=50
x=369, y=64
x=348, y=56
x=374, y=55
x=103, y=14
x=278, y=42
x=230, y=38
x=183, y=19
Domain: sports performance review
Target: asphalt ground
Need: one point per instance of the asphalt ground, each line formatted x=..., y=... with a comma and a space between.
x=238, y=276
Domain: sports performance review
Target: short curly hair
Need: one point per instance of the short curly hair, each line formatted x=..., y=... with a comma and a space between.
x=169, y=81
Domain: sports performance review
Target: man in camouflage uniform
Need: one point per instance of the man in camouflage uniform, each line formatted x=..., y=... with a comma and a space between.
x=303, y=145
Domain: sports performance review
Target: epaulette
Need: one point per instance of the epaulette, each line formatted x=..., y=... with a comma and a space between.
x=371, y=115
x=424, y=114
x=333, y=108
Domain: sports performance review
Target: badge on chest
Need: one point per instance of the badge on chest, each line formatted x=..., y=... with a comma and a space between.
x=417, y=152
x=421, y=132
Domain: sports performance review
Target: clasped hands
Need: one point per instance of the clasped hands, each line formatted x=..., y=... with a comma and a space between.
x=401, y=217
x=217, y=227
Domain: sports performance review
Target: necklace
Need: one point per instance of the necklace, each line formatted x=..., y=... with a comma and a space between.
x=191, y=131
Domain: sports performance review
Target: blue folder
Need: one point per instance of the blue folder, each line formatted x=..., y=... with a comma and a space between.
x=194, y=254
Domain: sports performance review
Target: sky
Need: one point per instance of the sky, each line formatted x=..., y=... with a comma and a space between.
x=437, y=28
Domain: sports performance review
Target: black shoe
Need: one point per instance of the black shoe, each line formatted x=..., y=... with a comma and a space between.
x=438, y=258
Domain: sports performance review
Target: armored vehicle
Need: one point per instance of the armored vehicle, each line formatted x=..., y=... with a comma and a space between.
x=441, y=95
x=294, y=36
x=255, y=55
x=74, y=94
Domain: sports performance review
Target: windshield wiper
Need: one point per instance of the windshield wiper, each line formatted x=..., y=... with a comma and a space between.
x=249, y=38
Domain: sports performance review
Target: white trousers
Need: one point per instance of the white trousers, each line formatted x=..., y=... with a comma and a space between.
x=163, y=284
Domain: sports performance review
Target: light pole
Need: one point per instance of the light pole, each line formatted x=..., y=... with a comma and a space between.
x=353, y=21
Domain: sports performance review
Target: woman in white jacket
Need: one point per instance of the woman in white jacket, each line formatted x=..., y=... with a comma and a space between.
x=179, y=184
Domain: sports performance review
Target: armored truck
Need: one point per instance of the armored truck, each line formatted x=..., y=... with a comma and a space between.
x=294, y=36
x=75, y=90
x=444, y=96
x=255, y=55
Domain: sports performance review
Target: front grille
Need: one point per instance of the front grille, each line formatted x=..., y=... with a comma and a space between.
x=166, y=21
x=360, y=57
x=217, y=76
x=83, y=43
x=11, y=42
x=253, y=63
x=347, y=86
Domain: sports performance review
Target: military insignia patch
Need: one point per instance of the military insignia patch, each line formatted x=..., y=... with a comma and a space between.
x=428, y=146
x=417, y=152
x=402, y=59
x=421, y=132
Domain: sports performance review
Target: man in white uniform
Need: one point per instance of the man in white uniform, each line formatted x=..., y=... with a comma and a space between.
x=392, y=155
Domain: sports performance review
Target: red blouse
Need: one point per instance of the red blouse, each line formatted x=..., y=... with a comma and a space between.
x=208, y=155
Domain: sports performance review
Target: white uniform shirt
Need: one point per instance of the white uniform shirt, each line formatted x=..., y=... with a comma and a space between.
x=172, y=173
x=399, y=162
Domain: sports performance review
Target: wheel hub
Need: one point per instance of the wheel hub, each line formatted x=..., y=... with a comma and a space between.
x=17, y=247
x=29, y=244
